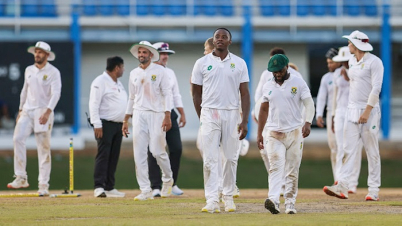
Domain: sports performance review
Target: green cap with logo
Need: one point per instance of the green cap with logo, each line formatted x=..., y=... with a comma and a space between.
x=277, y=62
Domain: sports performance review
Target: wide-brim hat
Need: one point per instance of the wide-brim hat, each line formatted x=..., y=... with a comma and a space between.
x=145, y=44
x=360, y=40
x=343, y=55
x=277, y=62
x=43, y=46
x=163, y=47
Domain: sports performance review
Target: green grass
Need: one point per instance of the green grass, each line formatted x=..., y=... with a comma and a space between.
x=251, y=173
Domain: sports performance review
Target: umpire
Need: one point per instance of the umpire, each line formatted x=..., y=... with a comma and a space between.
x=173, y=138
x=107, y=106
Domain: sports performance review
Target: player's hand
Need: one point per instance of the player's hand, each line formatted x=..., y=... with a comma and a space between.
x=260, y=142
x=124, y=129
x=98, y=133
x=18, y=116
x=320, y=122
x=333, y=124
x=44, y=117
x=167, y=123
x=364, y=117
x=253, y=117
x=182, y=121
x=242, y=130
x=306, y=129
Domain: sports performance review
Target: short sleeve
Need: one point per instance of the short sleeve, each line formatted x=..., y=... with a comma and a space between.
x=265, y=92
x=196, y=76
x=305, y=91
x=244, y=75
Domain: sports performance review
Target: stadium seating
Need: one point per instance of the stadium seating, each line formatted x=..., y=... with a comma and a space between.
x=48, y=8
x=159, y=7
x=267, y=7
x=106, y=7
x=123, y=7
x=226, y=7
x=370, y=7
x=177, y=7
x=283, y=7
x=319, y=7
x=303, y=7
x=29, y=8
x=351, y=8
x=89, y=7
x=142, y=8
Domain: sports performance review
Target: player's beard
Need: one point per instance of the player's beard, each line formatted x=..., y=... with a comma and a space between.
x=282, y=78
x=143, y=60
x=39, y=60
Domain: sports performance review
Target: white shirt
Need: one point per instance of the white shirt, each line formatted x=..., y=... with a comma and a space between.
x=176, y=101
x=365, y=78
x=342, y=91
x=220, y=80
x=325, y=94
x=149, y=90
x=107, y=100
x=42, y=88
x=285, y=103
x=264, y=78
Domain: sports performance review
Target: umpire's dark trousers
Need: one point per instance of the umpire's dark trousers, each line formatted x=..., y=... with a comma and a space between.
x=108, y=155
x=173, y=141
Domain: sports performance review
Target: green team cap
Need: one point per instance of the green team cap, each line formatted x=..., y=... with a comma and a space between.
x=277, y=62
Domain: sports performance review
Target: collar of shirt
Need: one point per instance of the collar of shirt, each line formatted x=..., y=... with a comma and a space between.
x=219, y=59
x=284, y=82
x=151, y=65
x=365, y=56
x=109, y=77
x=42, y=69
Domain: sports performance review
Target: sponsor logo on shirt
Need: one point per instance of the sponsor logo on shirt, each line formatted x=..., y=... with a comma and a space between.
x=209, y=67
x=293, y=91
x=153, y=78
x=270, y=92
x=44, y=78
x=330, y=82
x=373, y=127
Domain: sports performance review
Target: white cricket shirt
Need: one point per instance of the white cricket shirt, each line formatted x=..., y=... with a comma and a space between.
x=342, y=93
x=285, y=103
x=176, y=101
x=264, y=78
x=42, y=88
x=325, y=94
x=220, y=80
x=107, y=100
x=149, y=90
x=365, y=78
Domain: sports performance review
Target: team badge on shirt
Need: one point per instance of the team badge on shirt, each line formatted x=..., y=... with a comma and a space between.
x=294, y=91
x=209, y=67
x=232, y=65
x=153, y=78
x=44, y=78
x=362, y=66
x=270, y=92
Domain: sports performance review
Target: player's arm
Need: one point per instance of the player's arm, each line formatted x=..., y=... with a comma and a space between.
x=321, y=100
x=23, y=96
x=95, y=96
x=55, y=93
x=166, y=89
x=130, y=105
x=309, y=106
x=245, y=107
x=334, y=104
x=197, y=98
x=178, y=103
x=262, y=119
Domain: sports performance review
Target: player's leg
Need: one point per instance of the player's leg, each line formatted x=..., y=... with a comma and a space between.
x=339, y=121
x=102, y=158
x=277, y=154
x=354, y=177
x=331, y=144
x=264, y=154
x=154, y=174
x=114, y=155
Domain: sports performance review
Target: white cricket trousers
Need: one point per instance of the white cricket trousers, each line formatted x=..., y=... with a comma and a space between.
x=147, y=130
x=285, y=154
x=339, y=122
x=23, y=129
x=368, y=132
x=331, y=144
x=219, y=127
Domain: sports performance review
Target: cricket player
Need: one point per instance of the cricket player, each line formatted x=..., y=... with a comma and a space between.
x=281, y=113
x=149, y=105
x=339, y=108
x=173, y=139
x=363, y=116
x=325, y=97
x=217, y=79
x=39, y=97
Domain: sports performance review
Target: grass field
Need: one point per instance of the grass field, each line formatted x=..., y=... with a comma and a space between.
x=313, y=206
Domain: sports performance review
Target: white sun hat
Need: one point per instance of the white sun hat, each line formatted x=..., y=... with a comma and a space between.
x=43, y=46
x=360, y=40
x=163, y=47
x=145, y=44
x=343, y=55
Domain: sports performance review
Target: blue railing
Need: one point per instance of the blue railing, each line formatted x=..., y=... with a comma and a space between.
x=227, y=8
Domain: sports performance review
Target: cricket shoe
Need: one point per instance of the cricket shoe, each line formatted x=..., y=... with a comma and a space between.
x=167, y=189
x=19, y=182
x=156, y=193
x=99, y=193
x=272, y=206
x=176, y=190
x=144, y=196
x=372, y=197
x=212, y=207
x=352, y=190
x=229, y=203
x=290, y=209
x=236, y=193
x=115, y=194
x=43, y=190
x=336, y=190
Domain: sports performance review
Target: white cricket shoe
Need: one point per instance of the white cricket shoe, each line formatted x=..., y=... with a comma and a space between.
x=371, y=196
x=229, y=203
x=144, y=196
x=290, y=209
x=19, y=182
x=336, y=190
x=156, y=193
x=352, y=190
x=115, y=194
x=176, y=190
x=272, y=206
x=167, y=189
x=236, y=193
x=43, y=190
x=99, y=193
x=212, y=207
